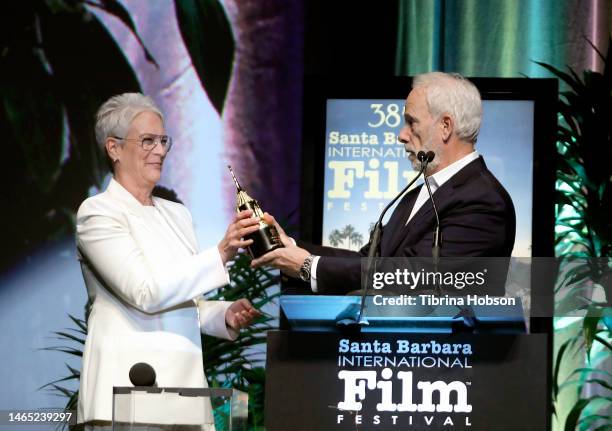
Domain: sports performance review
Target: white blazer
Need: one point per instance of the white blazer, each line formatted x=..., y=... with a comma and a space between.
x=145, y=277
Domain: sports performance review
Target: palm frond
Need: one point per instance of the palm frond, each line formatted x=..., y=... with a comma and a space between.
x=583, y=231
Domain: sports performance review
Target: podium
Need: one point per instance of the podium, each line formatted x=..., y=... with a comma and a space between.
x=408, y=369
x=140, y=407
x=401, y=314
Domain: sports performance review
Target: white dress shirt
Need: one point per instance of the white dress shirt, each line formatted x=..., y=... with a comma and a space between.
x=435, y=182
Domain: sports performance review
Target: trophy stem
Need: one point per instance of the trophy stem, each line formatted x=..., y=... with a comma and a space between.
x=234, y=177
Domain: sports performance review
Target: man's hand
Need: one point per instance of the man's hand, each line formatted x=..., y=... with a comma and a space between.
x=241, y=314
x=242, y=225
x=285, y=239
x=289, y=259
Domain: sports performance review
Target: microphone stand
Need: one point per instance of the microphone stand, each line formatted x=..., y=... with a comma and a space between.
x=437, y=242
x=373, y=251
x=467, y=313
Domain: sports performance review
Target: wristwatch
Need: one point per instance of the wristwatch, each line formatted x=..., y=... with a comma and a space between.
x=305, y=269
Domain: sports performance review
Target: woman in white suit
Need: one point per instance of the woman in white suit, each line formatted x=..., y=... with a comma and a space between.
x=144, y=272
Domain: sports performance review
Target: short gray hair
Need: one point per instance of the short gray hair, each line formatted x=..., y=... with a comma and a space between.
x=453, y=94
x=116, y=115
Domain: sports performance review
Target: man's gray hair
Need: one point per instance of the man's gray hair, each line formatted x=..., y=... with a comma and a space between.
x=453, y=94
x=116, y=115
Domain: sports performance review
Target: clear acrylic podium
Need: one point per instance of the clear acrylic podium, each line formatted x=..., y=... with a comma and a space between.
x=146, y=407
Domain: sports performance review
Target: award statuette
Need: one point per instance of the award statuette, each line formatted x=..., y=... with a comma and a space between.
x=266, y=238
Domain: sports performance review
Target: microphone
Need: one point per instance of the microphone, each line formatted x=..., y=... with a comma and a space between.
x=142, y=374
x=375, y=238
x=377, y=231
x=437, y=241
x=465, y=312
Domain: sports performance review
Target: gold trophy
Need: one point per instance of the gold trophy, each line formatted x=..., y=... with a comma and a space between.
x=266, y=238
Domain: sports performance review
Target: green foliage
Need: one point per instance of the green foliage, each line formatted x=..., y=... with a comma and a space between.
x=208, y=37
x=72, y=341
x=584, y=141
x=58, y=63
x=584, y=234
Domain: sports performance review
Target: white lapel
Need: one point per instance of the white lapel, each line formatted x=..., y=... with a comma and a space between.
x=181, y=227
x=119, y=193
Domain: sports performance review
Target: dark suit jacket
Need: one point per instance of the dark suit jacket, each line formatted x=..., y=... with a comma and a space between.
x=476, y=216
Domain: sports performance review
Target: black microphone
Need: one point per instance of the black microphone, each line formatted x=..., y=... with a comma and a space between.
x=465, y=312
x=142, y=374
x=375, y=239
x=437, y=241
x=377, y=231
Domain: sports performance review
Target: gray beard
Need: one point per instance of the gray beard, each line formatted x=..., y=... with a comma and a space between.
x=417, y=165
x=428, y=146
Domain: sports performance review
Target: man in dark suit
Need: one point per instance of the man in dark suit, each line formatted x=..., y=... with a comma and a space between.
x=442, y=114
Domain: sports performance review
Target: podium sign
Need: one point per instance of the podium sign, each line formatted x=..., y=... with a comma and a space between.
x=381, y=381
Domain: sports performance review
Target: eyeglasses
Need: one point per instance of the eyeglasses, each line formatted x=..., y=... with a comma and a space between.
x=148, y=141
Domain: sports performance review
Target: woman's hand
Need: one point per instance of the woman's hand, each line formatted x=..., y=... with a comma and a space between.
x=242, y=225
x=241, y=314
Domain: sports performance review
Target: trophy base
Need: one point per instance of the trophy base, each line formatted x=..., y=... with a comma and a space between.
x=265, y=240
